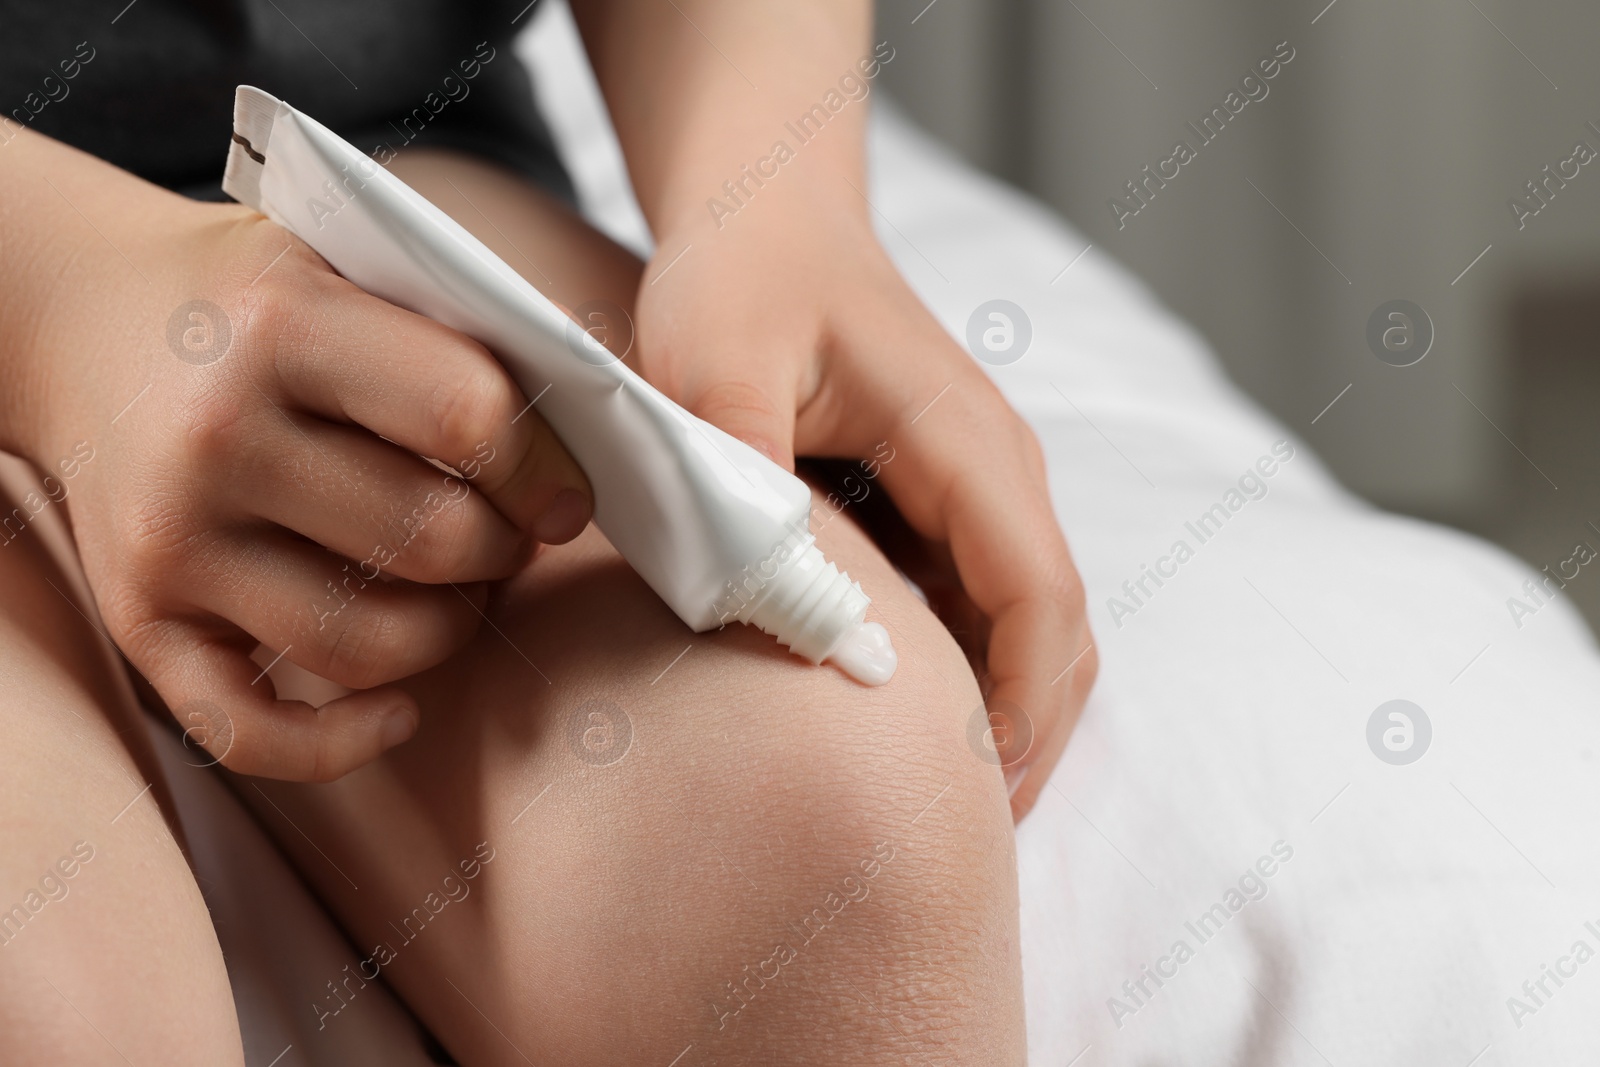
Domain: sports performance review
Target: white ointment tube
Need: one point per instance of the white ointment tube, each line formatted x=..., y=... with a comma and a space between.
x=719, y=531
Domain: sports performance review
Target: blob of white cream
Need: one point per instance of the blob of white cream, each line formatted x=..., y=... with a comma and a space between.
x=867, y=655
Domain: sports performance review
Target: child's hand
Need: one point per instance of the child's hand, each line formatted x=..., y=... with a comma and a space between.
x=790, y=328
x=255, y=424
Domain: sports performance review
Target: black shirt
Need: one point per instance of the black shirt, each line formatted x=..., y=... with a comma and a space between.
x=149, y=86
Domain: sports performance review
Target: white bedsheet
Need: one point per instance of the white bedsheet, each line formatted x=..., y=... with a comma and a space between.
x=1232, y=708
x=1232, y=711
x=1405, y=904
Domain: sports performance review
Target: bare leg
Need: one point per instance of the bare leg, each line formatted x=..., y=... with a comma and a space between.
x=701, y=846
x=778, y=867
x=107, y=953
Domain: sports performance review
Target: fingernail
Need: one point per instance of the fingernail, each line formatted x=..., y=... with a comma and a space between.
x=398, y=727
x=1014, y=776
x=564, y=519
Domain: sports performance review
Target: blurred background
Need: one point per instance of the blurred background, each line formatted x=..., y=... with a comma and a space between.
x=1381, y=165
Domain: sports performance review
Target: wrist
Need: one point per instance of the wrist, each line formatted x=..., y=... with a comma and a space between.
x=774, y=189
x=39, y=246
x=804, y=143
x=75, y=301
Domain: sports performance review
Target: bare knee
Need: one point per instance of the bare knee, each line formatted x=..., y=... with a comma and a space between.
x=786, y=867
x=702, y=847
x=875, y=889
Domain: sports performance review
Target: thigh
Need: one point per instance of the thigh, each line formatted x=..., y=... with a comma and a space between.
x=559, y=253
x=614, y=841
x=107, y=953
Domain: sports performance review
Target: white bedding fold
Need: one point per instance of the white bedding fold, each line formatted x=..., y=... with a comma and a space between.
x=1231, y=714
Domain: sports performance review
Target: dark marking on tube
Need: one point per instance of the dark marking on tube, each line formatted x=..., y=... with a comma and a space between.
x=248, y=149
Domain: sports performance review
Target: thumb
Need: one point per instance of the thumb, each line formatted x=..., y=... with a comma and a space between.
x=757, y=406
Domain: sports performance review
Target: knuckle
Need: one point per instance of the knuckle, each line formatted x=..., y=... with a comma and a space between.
x=732, y=397
x=447, y=537
x=155, y=523
x=269, y=311
x=470, y=409
x=216, y=428
x=215, y=410
x=358, y=652
x=155, y=534
x=131, y=615
x=1063, y=585
x=285, y=318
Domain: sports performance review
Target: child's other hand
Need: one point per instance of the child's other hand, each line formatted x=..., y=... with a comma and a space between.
x=255, y=424
x=790, y=328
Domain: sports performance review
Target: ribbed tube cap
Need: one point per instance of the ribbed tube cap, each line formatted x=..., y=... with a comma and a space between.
x=810, y=606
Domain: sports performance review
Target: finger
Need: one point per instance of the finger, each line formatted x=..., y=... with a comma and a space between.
x=969, y=473
x=229, y=709
x=334, y=617
x=747, y=397
x=924, y=563
x=374, y=503
x=438, y=393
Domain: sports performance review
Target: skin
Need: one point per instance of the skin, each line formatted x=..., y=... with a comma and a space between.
x=76, y=768
x=849, y=356
x=632, y=881
x=321, y=382
x=228, y=493
x=601, y=897
x=706, y=857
